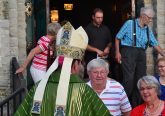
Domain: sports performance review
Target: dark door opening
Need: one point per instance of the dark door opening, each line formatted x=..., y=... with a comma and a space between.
x=115, y=12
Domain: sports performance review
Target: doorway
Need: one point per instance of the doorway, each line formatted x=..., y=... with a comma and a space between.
x=114, y=12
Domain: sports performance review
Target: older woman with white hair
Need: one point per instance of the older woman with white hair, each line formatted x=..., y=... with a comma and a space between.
x=149, y=89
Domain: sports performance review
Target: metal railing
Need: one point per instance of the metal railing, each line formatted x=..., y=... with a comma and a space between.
x=10, y=104
x=18, y=87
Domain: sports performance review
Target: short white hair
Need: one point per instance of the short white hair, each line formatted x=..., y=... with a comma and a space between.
x=95, y=63
x=150, y=81
x=147, y=11
x=53, y=28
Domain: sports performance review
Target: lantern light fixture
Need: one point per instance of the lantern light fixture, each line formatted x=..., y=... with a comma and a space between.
x=68, y=6
x=54, y=16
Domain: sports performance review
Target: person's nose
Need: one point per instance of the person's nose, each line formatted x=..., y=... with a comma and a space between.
x=145, y=90
x=99, y=74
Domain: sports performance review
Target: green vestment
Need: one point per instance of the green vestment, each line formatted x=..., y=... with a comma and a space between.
x=81, y=101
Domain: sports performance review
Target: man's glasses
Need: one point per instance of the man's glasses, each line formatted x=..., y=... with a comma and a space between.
x=160, y=66
x=150, y=18
x=97, y=72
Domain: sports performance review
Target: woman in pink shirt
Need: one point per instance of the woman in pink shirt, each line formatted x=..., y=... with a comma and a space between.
x=39, y=54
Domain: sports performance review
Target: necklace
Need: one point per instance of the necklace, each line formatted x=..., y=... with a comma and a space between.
x=155, y=111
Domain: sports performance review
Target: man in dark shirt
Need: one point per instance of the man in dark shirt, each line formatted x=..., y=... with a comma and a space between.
x=99, y=37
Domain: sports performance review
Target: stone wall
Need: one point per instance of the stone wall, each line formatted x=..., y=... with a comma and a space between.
x=12, y=39
x=158, y=28
x=4, y=57
x=161, y=22
x=150, y=57
x=4, y=50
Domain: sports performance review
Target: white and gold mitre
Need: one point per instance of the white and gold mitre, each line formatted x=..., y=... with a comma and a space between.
x=70, y=44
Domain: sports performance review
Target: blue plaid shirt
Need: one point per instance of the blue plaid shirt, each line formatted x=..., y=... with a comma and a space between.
x=126, y=35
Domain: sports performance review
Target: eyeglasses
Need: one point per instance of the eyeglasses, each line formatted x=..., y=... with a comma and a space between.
x=146, y=88
x=97, y=72
x=161, y=66
x=150, y=18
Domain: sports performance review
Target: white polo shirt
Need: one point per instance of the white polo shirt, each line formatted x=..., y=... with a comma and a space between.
x=115, y=98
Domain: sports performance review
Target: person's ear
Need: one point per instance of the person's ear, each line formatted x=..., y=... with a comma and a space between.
x=75, y=67
x=89, y=75
x=144, y=18
x=108, y=72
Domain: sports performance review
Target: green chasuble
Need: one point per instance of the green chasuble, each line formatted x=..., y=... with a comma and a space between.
x=81, y=101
